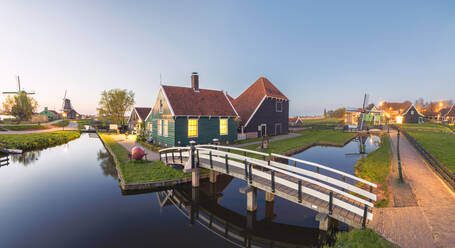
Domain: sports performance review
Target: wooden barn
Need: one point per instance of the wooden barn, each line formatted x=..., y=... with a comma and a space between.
x=411, y=115
x=137, y=116
x=182, y=114
x=450, y=115
x=263, y=110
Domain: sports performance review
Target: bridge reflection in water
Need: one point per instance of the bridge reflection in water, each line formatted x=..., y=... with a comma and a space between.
x=202, y=206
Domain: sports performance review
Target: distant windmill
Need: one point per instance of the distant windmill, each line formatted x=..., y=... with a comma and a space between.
x=19, y=90
x=363, y=112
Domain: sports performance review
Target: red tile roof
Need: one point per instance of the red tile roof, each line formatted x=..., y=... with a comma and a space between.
x=142, y=112
x=187, y=102
x=249, y=100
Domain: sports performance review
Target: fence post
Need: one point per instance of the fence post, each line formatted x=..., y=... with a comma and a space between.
x=181, y=158
x=300, y=191
x=197, y=157
x=227, y=164
x=251, y=173
x=365, y=212
x=331, y=203
x=211, y=161
x=273, y=181
x=246, y=169
x=166, y=156
x=173, y=159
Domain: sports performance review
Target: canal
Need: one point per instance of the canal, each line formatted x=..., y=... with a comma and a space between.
x=68, y=196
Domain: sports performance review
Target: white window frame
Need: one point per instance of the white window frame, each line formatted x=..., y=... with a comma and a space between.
x=160, y=126
x=197, y=128
x=276, y=106
x=227, y=126
x=165, y=128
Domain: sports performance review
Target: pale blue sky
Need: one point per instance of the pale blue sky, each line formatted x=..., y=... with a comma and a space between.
x=321, y=54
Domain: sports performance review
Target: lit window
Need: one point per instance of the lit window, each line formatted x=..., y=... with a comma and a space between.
x=159, y=127
x=192, y=128
x=165, y=128
x=223, y=126
x=279, y=106
x=149, y=126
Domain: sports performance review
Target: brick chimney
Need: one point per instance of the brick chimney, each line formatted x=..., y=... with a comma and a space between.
x=195, y=81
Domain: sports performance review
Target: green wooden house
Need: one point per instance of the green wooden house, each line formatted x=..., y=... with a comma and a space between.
x=51, y=114
x=182, y=114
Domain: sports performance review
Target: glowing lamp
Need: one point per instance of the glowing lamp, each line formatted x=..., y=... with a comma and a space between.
x=399, y=119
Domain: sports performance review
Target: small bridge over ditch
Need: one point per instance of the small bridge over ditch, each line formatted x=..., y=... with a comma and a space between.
x=334, y=194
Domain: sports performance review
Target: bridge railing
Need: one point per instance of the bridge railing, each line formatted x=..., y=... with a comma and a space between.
x=274, y=172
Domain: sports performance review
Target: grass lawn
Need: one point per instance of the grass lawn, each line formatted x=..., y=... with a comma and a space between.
x=307, y=138
x=360, y=238
x=322, y=123
x=62, y=123
x=375, y=167
x=141, y=171
x=252, y=140
x=428, y=127
x=151, y=147
x=35, y=141
x=24, y=127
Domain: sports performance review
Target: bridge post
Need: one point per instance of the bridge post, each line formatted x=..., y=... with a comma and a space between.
x=251, y=200
x=194, y=168
x=269, y=211
x=269, y=197
x=323, y=221
x=212, y=176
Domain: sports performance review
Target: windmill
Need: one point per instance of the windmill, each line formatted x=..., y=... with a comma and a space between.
x=363, y=112
x=19, y=90
x=67, y=108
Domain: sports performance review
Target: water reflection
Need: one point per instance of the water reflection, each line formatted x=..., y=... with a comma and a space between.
x=27, y=158
x=4, y=159
x=201, y=206
x=107, y=163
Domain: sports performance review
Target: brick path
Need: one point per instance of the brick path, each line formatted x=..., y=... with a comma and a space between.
x=429, y=224
x=130, y=143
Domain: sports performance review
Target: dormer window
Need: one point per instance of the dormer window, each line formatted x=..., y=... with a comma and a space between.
x=161, y=106
x=279, y=106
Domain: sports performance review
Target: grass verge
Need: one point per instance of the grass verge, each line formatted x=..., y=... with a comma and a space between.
x=360, y=238
x=375, y=167
x=141, y=171
x=35, y=141
x=306, y=139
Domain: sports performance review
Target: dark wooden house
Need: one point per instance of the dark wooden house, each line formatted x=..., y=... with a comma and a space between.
x=411, y=115
x=182, y=114
x=263, y=110
x=450, y=115
x=138, y=116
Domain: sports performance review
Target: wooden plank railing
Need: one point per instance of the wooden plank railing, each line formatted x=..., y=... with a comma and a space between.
x=273, y=171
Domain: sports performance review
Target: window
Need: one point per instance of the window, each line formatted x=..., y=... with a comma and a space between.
x=279, y=106
x=192, y=127
x=161, y=106
x=159, y=127
x=149, y=126
x=412, y=112
x=277, y=128
x=223, y=126
x=165, y=128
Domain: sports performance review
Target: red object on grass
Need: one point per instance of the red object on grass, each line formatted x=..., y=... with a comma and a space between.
x=137, y=153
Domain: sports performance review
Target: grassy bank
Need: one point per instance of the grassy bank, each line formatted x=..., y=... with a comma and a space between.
x=436, y=139
x=35, y=141
x=307, y=138
x=375, y=167
x=141, y=171
x=62, y=123
x=322, y=123
x=24, y=127
x=360, y=238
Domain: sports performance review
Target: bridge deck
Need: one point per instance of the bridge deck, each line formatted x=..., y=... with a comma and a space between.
x=286, y=192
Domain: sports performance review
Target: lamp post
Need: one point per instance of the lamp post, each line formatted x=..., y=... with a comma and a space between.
x=399, y=159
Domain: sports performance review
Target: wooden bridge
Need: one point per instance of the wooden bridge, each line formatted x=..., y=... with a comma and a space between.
x=331, y=196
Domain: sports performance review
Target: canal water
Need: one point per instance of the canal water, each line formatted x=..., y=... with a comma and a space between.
x=68, y=196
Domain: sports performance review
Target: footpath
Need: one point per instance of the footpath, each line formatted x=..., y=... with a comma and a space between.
x=422, y=211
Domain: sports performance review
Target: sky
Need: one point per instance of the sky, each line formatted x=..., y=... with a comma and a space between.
x=320, y=54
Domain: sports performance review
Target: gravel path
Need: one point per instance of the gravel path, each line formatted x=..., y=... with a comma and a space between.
x=71, y=126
